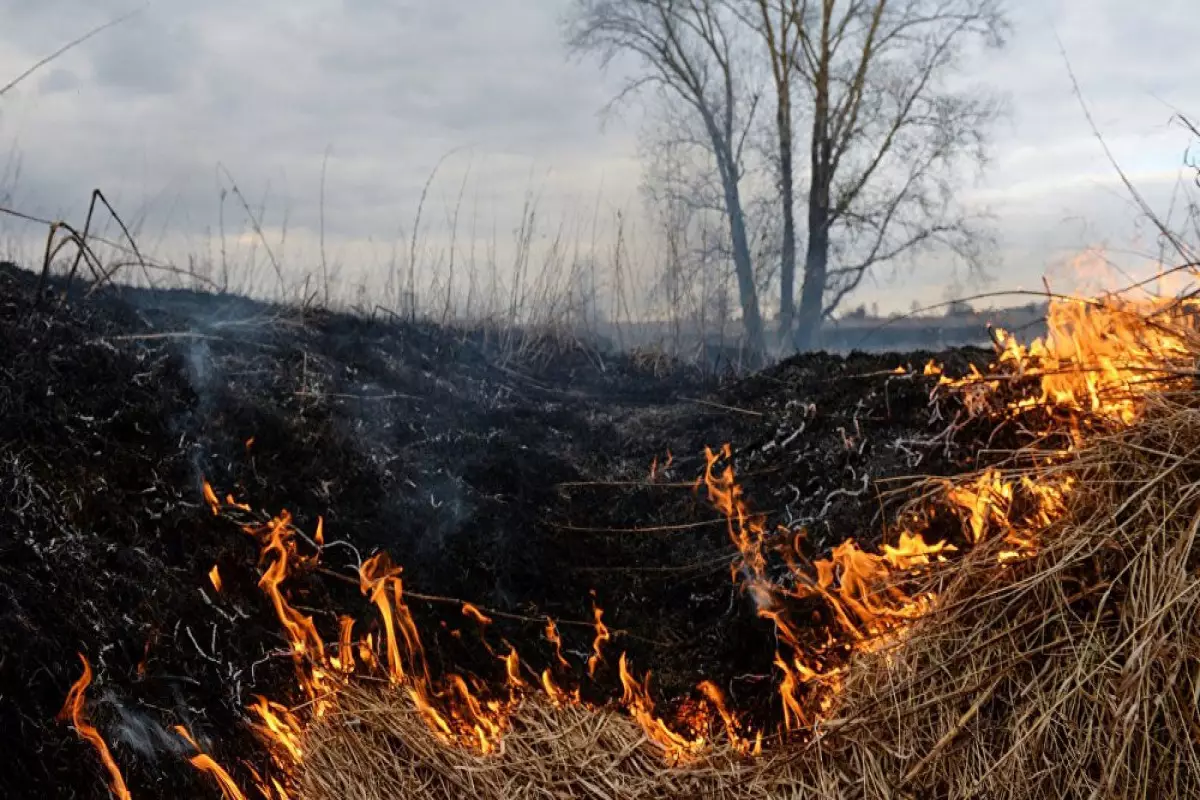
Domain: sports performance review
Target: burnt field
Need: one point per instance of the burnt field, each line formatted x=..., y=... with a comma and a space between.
x=533, y=479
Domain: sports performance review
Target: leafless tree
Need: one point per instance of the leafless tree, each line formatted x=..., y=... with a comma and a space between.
x=777, y=24
x=688, y=50
x=890, y=132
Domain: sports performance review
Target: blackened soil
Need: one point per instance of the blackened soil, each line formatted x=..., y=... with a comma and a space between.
x=514, y=473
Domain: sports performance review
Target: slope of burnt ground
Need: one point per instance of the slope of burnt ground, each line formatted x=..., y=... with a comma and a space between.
x=516, y=478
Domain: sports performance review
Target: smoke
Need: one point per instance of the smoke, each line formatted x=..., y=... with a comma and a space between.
x=143, y=734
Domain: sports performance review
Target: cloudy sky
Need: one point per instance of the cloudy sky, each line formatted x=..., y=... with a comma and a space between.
x=164, y=110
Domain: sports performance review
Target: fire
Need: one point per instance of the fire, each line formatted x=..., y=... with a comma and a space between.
x=655, y=467
x=1094, y=367
x=986, y=501
x=308, y=648
x=1099, y=357
x=554, y=639
x=512, y=668
x=470, y=611
x=602, y=636
x=72, y=711
x=280, y=727
x=912, y=551
x=203, y=762
x=636, y=698
x=210, y=497
x=344, y=660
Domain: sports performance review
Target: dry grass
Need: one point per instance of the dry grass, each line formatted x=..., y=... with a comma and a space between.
x=1072, y=674
x=377, y=747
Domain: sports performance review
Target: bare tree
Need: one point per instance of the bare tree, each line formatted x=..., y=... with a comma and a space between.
x=778, y=26
x=688, y=50
x=889, y=133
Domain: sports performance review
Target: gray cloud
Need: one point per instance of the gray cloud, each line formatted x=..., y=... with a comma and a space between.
x=147, y=110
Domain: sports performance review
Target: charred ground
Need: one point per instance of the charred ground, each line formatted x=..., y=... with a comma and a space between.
x=514, y=474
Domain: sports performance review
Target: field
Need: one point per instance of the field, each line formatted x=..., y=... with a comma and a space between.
x=313, y=555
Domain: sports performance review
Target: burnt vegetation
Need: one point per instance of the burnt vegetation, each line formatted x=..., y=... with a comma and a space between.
x=530, y=486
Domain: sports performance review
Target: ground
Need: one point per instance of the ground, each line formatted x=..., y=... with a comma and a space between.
x=510, y=471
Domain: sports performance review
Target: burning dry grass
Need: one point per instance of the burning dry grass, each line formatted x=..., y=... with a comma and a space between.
x=1074, y=674
x=377, y=746
x=1048, y=649
x=1069, y=669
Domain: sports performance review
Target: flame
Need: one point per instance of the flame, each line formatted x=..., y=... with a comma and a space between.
x=655, y=468
x=308, y=648
x=1096, y=364
x=72, y=710
x=912, y=551
x=214, y=577
x=344, y=660
x=210, y=497
x=713, y=694
x=1099, y=357
x=987, y=502
x=636, y=698
x=554, y=639
x=602, y=636
x=471, y=611
x=376, y=577
x=512, y=668
x=557, y=696
x=280, y=727
x=203, y=762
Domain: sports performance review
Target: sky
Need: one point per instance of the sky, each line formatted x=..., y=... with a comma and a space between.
x=170, y=110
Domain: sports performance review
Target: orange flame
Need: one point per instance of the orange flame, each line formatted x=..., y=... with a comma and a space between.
x=512, y=668
x=637, y=699
x=205, y=763
x=554, y=639
x=472, y=612
x=280, y=727
x=376, y=576
x=72, y=710
x=210, y=497
x=214, y=577
x=602, y=636
x=308, y=648
x=344, y=660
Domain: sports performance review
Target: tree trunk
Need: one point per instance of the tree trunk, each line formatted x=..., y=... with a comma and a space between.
x=816, y=257
x=744, y=269
x=787, y=265
x=743, y=265
x=816, y=263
